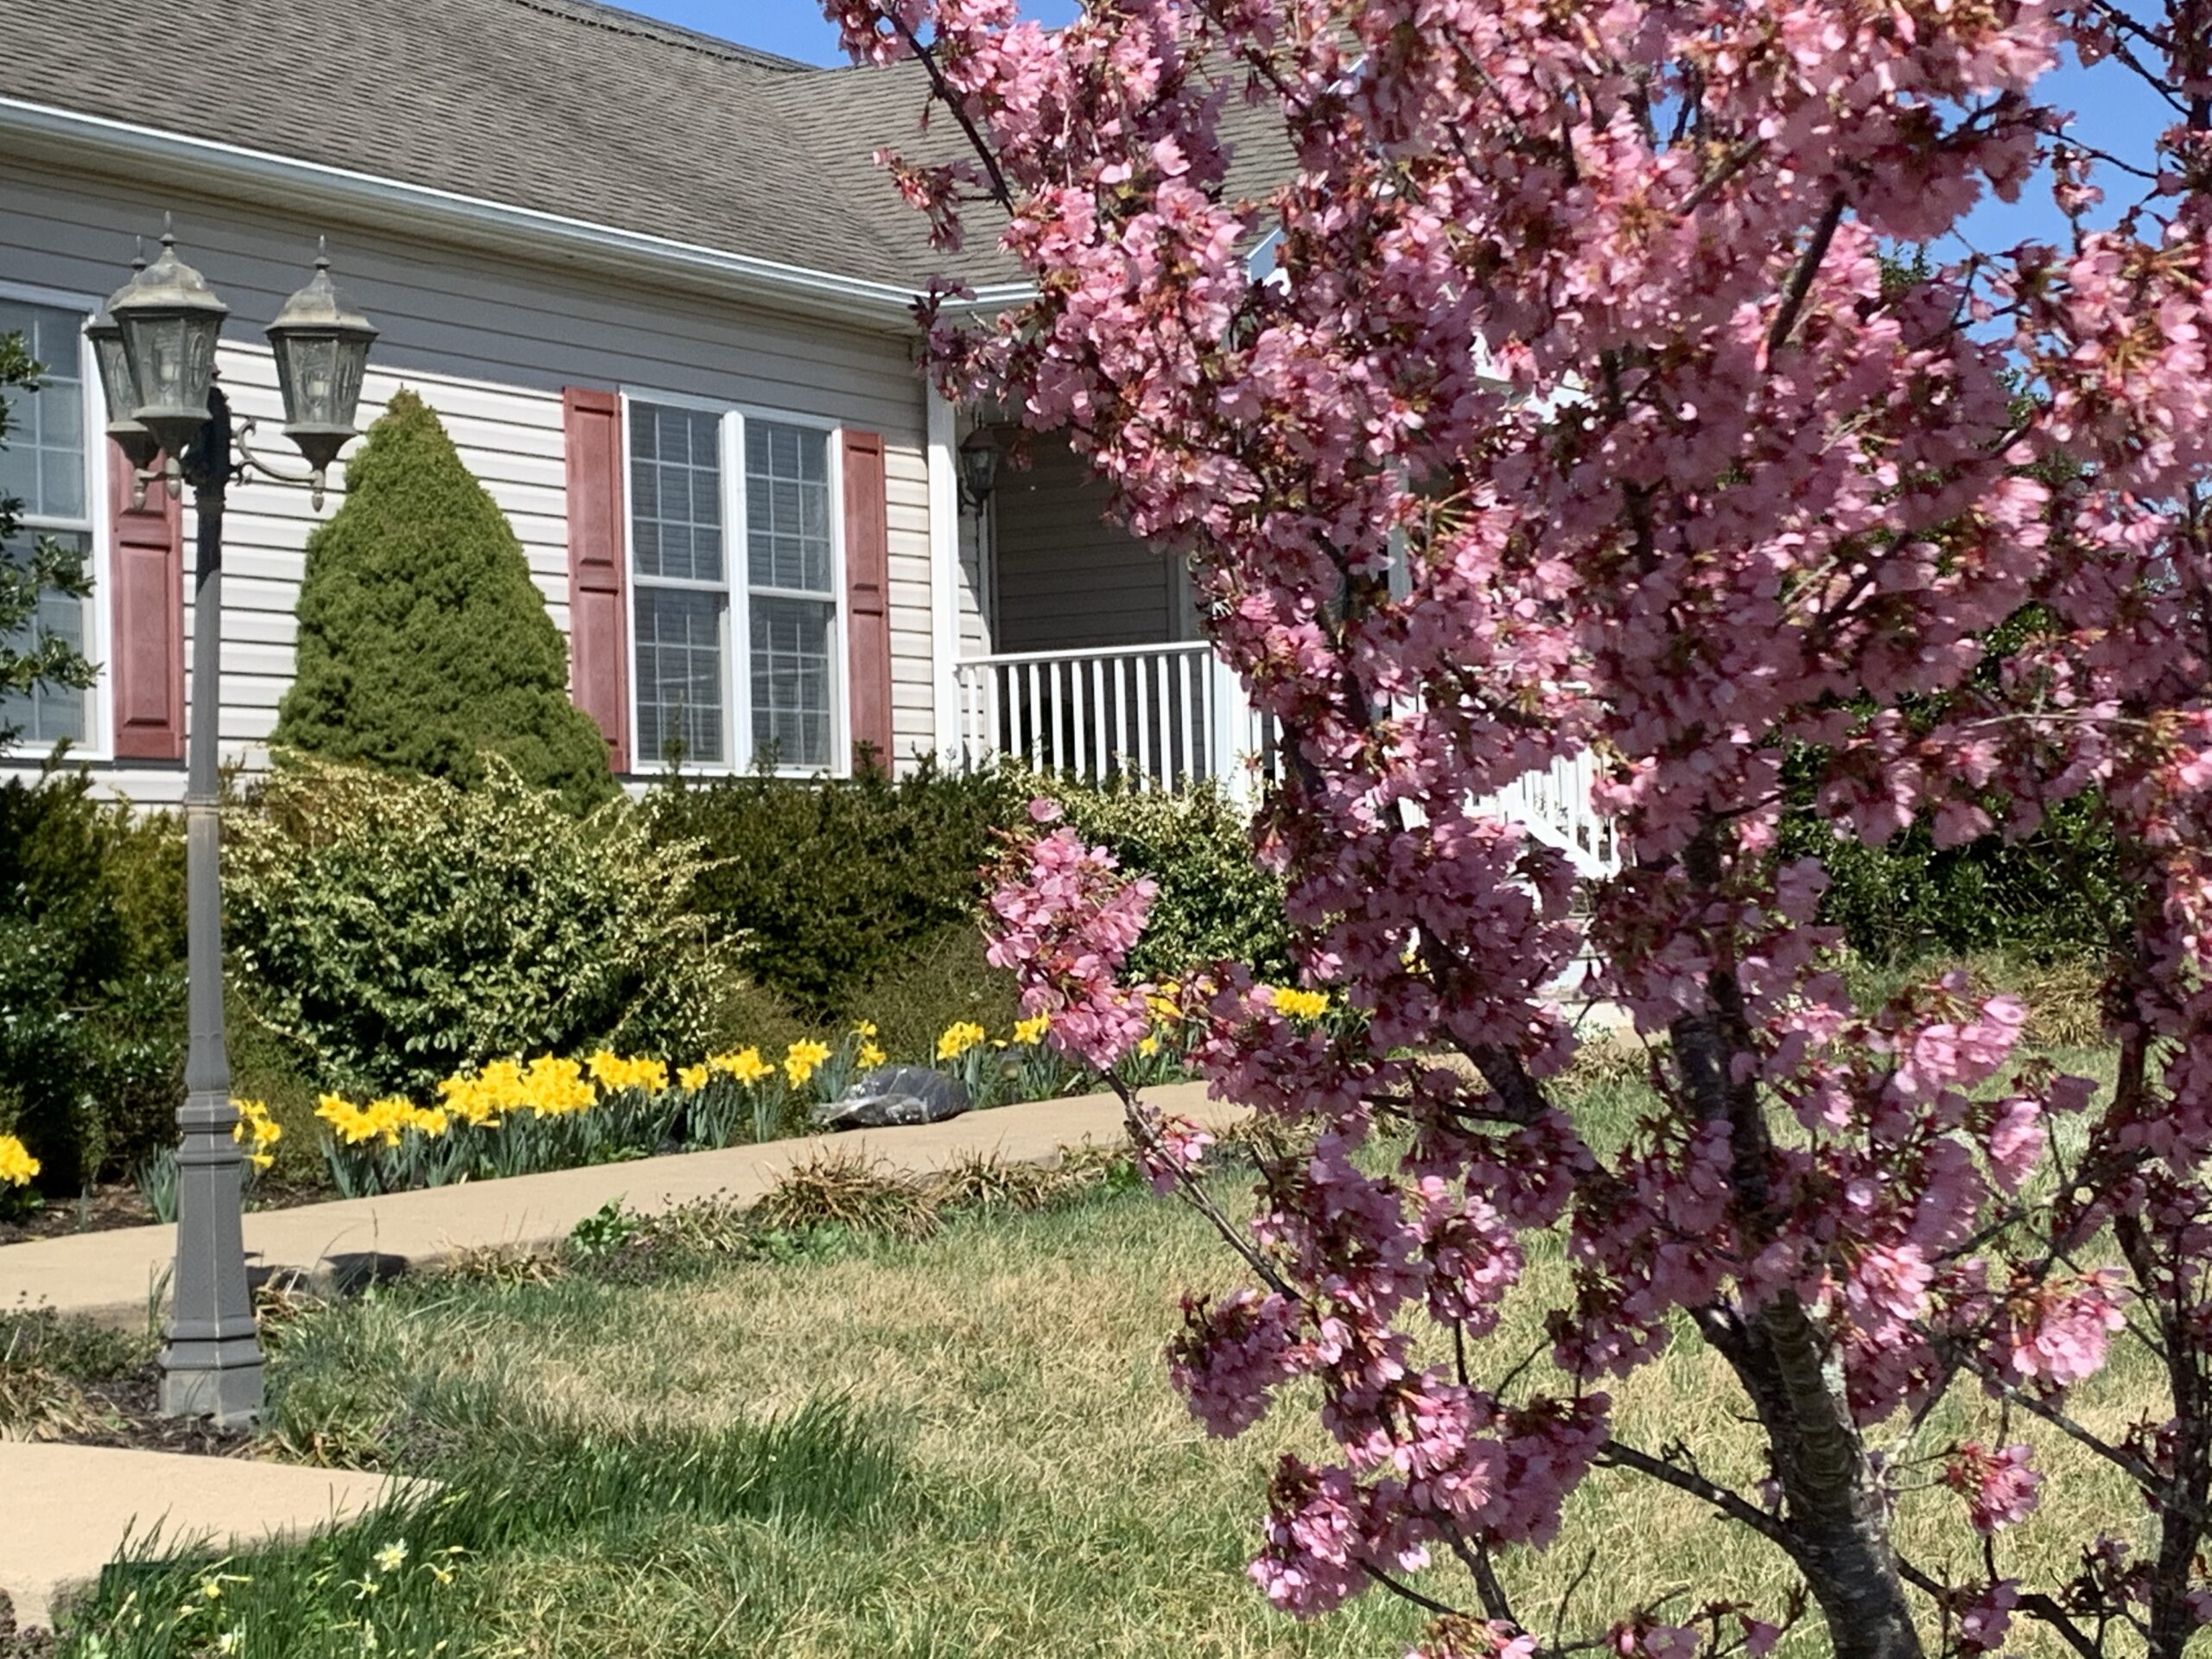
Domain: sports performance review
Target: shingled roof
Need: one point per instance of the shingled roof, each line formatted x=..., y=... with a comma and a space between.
x=561, y=106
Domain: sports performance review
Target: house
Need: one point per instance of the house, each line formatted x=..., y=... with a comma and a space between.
x=660, y=295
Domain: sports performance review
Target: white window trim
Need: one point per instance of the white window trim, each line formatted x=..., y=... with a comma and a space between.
x=99, y=742
x=737, y=665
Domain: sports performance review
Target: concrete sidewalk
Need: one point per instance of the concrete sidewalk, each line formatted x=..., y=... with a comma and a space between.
x=70, y=1509
x=115, y=1276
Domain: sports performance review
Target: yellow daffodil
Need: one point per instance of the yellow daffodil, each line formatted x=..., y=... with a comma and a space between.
x=693, y=1077
x=265, y=1132
x=1031, y=1031
x=866, y=1028
x=869, y=1056
x=1147, y=1047
x=746, y=1065
x=384, y=1119
x=1302, y=1005
x=959, y=1037
x=610, y=1071
x=803, y=1059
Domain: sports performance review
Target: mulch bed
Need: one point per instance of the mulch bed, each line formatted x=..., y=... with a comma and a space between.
x=106, y=1209
x=103, y=1210
x=125, y=1410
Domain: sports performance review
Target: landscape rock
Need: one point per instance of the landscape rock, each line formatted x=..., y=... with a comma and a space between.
x=894, y=1096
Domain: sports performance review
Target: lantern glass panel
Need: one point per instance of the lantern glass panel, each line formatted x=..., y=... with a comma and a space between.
x=117, y=384
x=173, y=361
x=307, y=371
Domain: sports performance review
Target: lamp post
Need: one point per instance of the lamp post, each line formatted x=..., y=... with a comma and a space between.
x=156, y=345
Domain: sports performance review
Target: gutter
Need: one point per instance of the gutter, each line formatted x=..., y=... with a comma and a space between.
x=140, y=152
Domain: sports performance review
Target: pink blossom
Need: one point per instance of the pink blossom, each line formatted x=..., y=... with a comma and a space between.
x=2059, y=1331
x=1985, y=1616
x=1558, y=453
x=2000, y=1487
x=1232, y=1354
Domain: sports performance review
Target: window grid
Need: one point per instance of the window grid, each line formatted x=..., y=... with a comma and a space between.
x=727, y=645
x=791, y=559
x=45, y=466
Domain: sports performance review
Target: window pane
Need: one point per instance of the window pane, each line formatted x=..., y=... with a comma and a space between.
x=679, y=680
x=787, y=507
x=45, y=714
x=43, y=465
x=793, y=691
x=675, y=501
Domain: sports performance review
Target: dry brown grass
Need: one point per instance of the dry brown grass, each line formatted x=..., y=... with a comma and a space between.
x=842, y=1189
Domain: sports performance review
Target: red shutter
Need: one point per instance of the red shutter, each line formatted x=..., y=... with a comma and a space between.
x=146, y=574
x=599, y=653
x=868, y=594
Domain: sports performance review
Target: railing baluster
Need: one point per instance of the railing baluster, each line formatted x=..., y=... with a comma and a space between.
x=1122, y=717
x=1101, y=756
x=1059, y=721
x=1078, y=733
x=1036, y=715
x=1190, y=723
x=1141, y=671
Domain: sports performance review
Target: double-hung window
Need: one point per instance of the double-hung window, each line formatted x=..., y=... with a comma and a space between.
x=734, y=579
x=45, y=466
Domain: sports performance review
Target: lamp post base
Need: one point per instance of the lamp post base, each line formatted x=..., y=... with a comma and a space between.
x=218, y=1381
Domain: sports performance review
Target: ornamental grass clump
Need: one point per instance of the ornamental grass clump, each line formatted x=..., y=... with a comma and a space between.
x=845, y=1190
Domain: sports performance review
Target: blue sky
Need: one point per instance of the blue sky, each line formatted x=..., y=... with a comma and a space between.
x=2115, y=112
x=794, y=27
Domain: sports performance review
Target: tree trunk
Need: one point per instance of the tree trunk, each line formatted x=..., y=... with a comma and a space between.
x=1835, y=1514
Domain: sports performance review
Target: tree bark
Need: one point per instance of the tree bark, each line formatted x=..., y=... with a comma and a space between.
x=1835, y=1516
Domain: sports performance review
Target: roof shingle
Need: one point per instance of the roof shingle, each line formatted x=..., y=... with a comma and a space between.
x=568, y=107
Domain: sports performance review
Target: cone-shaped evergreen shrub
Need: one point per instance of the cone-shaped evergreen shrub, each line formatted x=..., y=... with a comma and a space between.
x=423, y=642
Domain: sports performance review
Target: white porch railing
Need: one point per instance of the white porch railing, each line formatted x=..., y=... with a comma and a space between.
x=1166, y=715
x=1161, y=716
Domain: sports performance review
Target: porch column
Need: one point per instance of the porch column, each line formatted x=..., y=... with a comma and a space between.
x=945, y=576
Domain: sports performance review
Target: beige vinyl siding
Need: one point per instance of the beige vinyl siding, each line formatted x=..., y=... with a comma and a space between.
x=490, y=342
x=1066, y=579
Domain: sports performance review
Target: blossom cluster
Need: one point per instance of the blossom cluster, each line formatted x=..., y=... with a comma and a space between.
x=1583, y=423
x=17, y=1166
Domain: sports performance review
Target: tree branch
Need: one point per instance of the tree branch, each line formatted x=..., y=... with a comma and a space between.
x=1619, y=1453
x=1800, y=284
x=942, y=90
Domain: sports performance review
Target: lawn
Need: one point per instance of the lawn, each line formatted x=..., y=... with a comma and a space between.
x=963, y=1446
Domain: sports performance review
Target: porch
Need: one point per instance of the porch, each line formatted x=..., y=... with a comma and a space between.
x=1082, y=656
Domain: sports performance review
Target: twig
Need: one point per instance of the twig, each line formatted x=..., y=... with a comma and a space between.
x=1196, y=1196
x=1620, y=1454
x=1736, y=160
x=1808, y=267
x=1442, y=1609
x=1001, y=191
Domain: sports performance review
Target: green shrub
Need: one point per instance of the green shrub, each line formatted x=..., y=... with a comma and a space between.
x=827, y=886
x=395, y=930
x=2057, y=892
x=941, y=980
x=1216, y=904
x=92, y=985
x=423, y=645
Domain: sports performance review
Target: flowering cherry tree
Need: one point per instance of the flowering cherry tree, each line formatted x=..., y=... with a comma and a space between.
x=1582, y=410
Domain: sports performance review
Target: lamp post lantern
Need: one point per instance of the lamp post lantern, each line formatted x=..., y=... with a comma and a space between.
x=156, y=345
x=979, y=467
